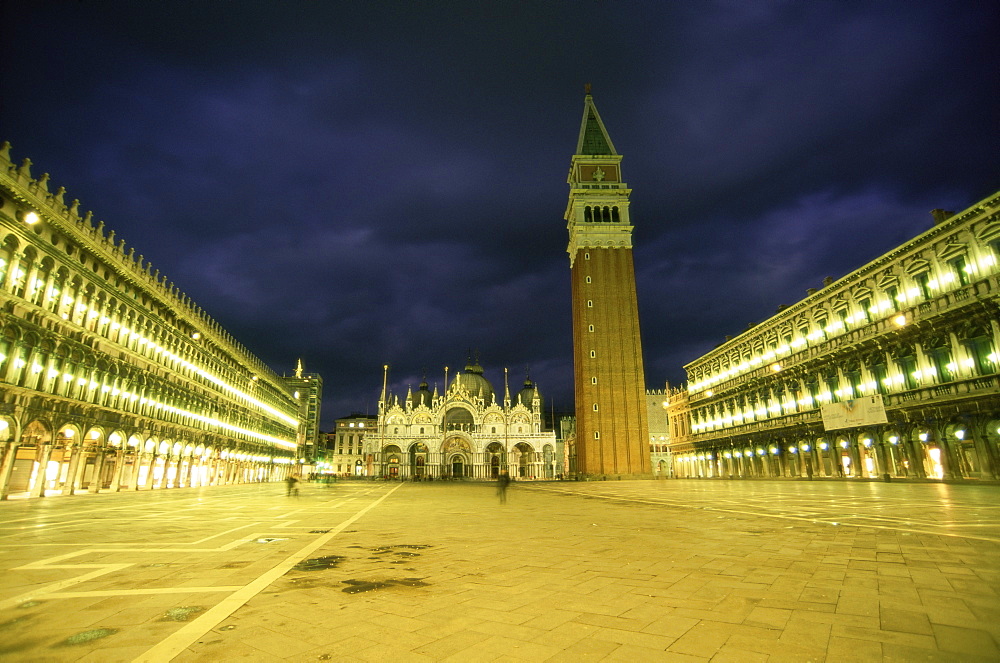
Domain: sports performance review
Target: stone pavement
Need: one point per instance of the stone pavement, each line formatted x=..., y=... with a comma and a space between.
x=591, y=571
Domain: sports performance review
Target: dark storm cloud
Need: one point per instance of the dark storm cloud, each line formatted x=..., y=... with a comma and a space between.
x=385, y=182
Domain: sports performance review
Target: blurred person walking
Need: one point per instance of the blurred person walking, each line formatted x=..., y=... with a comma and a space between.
x=503, y=480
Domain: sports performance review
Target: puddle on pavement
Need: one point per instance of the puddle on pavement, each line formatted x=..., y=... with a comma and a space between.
x=234, y=565
x=319, y=563
x=87, y=636
x=14, y=622
x=268, y=540
x=361, y=586
x=228, y=627
x=308, y=583
x=181, y=614
x=29, y=604
x=318, y=531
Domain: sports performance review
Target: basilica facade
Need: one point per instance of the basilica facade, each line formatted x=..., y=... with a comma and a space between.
x=888, y=372
x=464, y=433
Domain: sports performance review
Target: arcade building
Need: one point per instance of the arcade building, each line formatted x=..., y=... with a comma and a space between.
x=888, y=372
x=111, y=378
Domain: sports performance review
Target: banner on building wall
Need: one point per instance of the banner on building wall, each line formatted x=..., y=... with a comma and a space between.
x=864, y=411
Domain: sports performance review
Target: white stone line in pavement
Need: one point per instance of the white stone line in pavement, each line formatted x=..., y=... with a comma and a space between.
x=143, y=592
x=51, y=590
x=228, y=531
x=843, y=521
x=184, y=637
x=102, y=569
x=132, y=543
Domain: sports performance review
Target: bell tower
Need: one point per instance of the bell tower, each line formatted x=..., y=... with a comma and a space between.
x=612, y=435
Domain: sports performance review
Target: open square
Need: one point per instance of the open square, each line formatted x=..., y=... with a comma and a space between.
x=565, y=571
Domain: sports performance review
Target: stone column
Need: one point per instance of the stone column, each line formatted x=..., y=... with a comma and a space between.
x=986, y=457
x=137, y=469
x=15, y=263
x=116, y=480
x=96, y=479
x=949, y=461
x=857, y=470
x=75, y=467
x=29, y=281
x=7, y=468
x=38, y=490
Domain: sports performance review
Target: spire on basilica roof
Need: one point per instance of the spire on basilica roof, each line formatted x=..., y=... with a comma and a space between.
x=506, y=389
x=298, y=368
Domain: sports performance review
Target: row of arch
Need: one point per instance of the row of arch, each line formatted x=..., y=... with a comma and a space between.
x=40, y=460
x=927, y=273
x=963, y=351
x=457, y=459
x=118, y=313
x=606, y=214
x=966, y=449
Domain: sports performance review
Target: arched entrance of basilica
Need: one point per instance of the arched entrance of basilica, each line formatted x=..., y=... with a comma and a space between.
x=496, y=458
x=418, y=460
x=524, y=456
x=457, y=453
x=391, y=457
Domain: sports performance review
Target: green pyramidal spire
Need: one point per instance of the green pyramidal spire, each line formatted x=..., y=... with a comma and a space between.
x=594, y=137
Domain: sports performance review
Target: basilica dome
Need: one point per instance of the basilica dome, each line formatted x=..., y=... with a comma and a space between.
x=472, y=381
x=528, y=393
x=423, y=395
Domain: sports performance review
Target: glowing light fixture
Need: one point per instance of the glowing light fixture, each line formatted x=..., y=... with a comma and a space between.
x=31, y=218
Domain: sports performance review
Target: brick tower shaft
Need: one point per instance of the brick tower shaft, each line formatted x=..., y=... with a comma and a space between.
x=612, y=435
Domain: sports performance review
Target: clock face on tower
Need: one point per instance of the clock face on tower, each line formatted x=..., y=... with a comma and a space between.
x=598, y=173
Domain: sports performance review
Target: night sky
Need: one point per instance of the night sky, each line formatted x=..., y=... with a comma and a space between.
x=384, y=182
